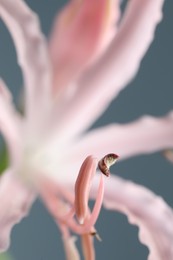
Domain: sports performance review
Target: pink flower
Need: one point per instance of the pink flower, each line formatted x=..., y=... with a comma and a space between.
x=92, y=54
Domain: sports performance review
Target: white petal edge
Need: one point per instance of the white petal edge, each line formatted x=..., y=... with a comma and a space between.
x=32, y=55
x=10, y=123
x=146, y=210
x=115, y=69
x=146, y=135
x=16, y=200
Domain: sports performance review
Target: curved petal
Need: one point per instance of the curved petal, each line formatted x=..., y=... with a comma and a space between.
x=146, y=210
x=16, y=200
x=81, y=30
x=10, y=123
x=116, y=68
x=145, y=135
x=32, y=54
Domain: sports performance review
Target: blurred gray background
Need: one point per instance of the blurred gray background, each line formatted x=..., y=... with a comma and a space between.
x=36, y=237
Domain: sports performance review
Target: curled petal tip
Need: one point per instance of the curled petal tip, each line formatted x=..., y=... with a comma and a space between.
x=106, y=162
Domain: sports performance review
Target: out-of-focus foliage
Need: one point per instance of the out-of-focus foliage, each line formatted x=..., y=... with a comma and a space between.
x=5, y=257
x=3, y=161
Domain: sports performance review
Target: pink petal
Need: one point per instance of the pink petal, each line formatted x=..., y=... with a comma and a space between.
x=70, y=248
x=145, y=135
x=116, y=68
x=32, y=54
x=16, y=200
x=80, y=31
x=146, y=210
x=10, y=123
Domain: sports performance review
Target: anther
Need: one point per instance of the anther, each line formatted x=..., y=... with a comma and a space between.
x=106, y=162
x=168, y=154
x=96, y=235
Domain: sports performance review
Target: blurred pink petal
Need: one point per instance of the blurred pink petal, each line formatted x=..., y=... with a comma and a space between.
x=49, y=164
x=32, y=54
x=70, y=248
x=116, y=68
x=145, y=135
x=10, y=123
x=146, y=210
x=80, y=32
x=16, y=200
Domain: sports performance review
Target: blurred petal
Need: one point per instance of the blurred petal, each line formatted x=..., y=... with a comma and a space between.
x=10, y=123
x=81, y=31
x=145, y=135
x=146, y=210
x=16, y=200
x=116, y=68
x=70, y=248
x=31, y=50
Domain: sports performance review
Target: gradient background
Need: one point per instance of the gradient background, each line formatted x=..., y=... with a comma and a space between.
x=151, y=92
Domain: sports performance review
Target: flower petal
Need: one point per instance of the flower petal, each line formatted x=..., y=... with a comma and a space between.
x=116, y=68
x=10, y=123
x=145, y=135
x=32, y=53
x=16, y=200
x=80, y=31
x=137, y=202
x=70, y=248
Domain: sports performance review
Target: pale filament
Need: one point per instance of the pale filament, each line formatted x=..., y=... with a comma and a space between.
x=88, y=247
x=82, y=187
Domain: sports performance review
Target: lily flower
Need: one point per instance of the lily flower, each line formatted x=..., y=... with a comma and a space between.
x=69, y=81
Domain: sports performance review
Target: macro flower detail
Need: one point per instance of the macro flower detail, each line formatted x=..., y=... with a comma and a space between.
x=106, y=162
x=69, y=80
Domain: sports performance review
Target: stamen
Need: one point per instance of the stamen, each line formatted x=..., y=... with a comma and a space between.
x=96, y=235
x=106, y=162
x=88, y=247
x=63, y=211
x=82, y=187
x=97, y=206
x=89, y=220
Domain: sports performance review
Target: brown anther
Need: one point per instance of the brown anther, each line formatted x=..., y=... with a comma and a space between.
x=93, y=233
x=106, y=162
x=96, y=235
